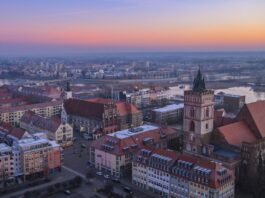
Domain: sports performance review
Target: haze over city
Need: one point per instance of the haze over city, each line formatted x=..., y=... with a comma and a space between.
x=66, y=26
x=132, y=98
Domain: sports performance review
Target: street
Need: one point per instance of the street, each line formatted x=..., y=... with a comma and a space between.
x=76, y=161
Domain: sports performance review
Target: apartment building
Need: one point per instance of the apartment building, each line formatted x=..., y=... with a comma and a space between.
x=231, y=102
x=113, y=152
x=13, y=115
x=39, y=157
x=43, y=93
x=168, y=114
x=170, y=174
x=6, y=162
x=56, y=129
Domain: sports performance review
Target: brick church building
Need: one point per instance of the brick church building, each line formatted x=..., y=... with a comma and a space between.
x=236, y=144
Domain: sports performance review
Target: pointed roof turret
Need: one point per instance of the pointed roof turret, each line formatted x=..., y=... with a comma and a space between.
x=198, y=83
x=68, y=88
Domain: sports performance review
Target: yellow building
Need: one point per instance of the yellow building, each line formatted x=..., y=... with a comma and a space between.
x=13, y=115
x=56, y=129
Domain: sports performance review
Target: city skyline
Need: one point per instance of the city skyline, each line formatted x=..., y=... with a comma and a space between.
x=131, y=26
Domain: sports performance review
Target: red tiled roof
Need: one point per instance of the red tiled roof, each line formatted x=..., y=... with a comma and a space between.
x=257, y=112
x=220, y=119
x=49, y=124
x=12, y=100
x=10, y=130
x=198, y=162
x=124, y=108
x=167, y=153
x=236, y=133
x=100, y=100
x=131, y=140
x=84, y=108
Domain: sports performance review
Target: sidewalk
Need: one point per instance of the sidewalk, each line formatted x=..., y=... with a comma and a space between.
x=62, y=177
x=128, y=183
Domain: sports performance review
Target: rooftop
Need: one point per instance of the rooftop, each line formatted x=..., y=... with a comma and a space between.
x=4, y=147
x=131, y=132
x=35, y=141
x=169, y=108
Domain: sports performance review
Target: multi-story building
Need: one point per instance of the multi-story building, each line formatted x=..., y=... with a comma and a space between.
x=39, y=157
x=113, y=153
x=151, y=170
x=9, y=133
x=13, y=115
x=231, y=102
x=168, y=114
x=128, y=116
x=6, y=162
x=43, y=93
x=56, y=129
x=174, y=175
x=101, y=116
x=141, y=98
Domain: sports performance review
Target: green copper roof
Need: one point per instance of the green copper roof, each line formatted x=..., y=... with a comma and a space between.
x=198, y=83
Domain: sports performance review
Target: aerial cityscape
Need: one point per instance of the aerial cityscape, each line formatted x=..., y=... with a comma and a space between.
x=132, y=99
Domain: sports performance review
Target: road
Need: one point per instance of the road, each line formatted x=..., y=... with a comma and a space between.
x=76, y=164
x=76, y=161
x=59, y=177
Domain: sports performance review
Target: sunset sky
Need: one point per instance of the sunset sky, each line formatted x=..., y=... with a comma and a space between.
x=43, y=26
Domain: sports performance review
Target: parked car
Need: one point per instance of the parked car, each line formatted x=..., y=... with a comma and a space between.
x=87, y=136
x=99, y=173
x=128, y=190
x=116, y=180
x=106, y=176
x=67, y=192
x=83, y=145
x=74, y=139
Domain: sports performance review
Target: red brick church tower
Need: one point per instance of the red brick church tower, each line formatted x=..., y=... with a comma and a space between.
x=198, y=117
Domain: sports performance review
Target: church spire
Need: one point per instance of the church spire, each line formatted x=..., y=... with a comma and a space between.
x=198, y=83
x=68, y=88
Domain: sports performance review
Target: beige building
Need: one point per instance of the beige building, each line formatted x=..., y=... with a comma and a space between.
x=175, y=175
x=13, y=115
x=169, y=114
x=6, y=162
x=39, y=157
x=56, y=129
x=113, y=153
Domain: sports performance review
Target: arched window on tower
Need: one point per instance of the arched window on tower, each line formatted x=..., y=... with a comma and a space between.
x=192, y=112
x=192, y=126
x=207, y=112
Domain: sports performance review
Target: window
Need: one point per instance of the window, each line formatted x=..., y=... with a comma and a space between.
x=207, y=112
x=192, y=112
x=192, y=126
